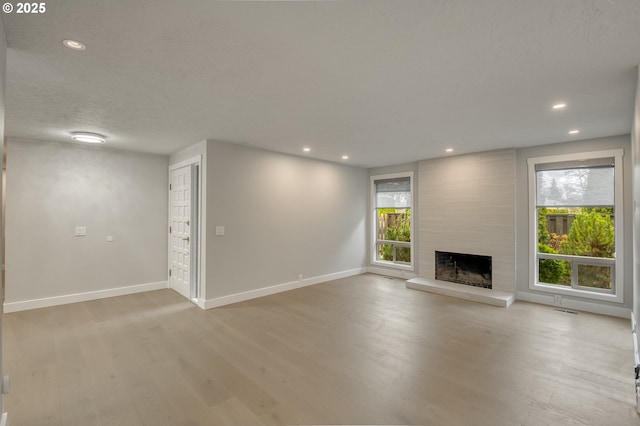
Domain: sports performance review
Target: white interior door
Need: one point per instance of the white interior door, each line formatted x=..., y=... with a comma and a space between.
x=180, y=230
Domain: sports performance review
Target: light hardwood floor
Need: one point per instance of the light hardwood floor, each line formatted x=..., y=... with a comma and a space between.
x=361, y=350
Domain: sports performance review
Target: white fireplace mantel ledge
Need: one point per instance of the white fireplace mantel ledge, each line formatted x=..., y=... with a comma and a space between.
x=501, y=299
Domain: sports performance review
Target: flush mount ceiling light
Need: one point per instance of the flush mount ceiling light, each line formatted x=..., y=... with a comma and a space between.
x=345, y=157
x=574, y=132
x=559, y=106
x=448, y=150
x=306, y=149
x=74, y=44
x=87, y=137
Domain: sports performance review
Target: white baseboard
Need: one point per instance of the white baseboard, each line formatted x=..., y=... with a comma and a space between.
x=578, y=305
x=390, y=272
x=201, y=303
x=81, y=297
x=279, y=288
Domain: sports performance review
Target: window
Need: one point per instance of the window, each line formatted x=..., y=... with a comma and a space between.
x=576, y=224
x=393, y=228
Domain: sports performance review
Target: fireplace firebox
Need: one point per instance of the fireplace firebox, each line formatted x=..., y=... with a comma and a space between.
x=461, y=268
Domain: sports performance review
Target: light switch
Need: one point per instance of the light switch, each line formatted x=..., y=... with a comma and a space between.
x=81, y=231
x=219, y=230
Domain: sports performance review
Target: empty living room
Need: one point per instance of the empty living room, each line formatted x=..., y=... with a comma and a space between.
x=366, y=212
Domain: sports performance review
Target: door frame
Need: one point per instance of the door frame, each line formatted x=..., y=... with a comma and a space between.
x=196, y=268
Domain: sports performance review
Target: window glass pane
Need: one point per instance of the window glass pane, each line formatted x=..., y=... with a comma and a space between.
x=552, y=271
x=594, y=276
x=403, y=254
x=394, y=224
x=385, y=252
x=589, y=187
x=577, y=231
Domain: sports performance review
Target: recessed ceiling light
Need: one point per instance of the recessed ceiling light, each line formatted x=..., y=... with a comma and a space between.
x=574, y=132
x=306, y=149
x=559, y=106
x=345, y=157
x=74, y=44
x=87, y=137
x=449, y=150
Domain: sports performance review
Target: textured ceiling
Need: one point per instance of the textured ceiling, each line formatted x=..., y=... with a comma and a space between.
x=385, y=82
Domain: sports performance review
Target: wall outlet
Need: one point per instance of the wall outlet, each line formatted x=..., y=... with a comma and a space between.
x=557, y=299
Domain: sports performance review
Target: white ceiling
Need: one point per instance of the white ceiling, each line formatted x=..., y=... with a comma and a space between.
x=385, y=82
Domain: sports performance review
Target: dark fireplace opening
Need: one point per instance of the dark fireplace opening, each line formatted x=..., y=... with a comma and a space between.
x=469, y=269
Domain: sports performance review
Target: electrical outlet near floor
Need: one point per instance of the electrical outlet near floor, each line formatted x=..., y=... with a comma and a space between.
x=557, y=299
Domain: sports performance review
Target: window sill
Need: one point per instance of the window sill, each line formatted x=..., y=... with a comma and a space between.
x=555, y=289
x=386, y=264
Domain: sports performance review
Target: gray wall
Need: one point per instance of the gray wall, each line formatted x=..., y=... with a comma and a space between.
x=283, y=216
x=196, y=150
x=51, y=188
x=3, y=74
x=522, y=208
x=635, y=141
x=467, y=205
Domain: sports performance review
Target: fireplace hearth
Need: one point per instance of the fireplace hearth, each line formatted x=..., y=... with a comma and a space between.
x=461, y=268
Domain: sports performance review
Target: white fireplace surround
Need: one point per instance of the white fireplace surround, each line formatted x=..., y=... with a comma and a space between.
x=467, y=205
x=502, y=299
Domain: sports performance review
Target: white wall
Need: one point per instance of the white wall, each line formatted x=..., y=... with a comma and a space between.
x=467, y=205
x=522, y=208
x=52, y=188
x=284, y=216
